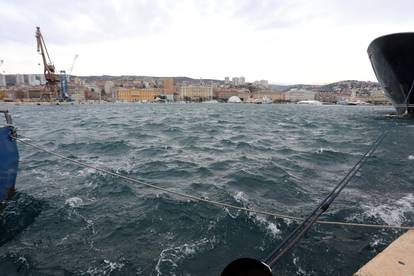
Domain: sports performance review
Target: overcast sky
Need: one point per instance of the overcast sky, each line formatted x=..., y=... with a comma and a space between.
x=284, y=41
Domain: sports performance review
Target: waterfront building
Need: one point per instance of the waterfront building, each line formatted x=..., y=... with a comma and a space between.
x=356, y=96
x=196, y=92
x=296, y=95
x=76, y=80
x=168, y=84
x=93, y=87
x=378, y=97
x=138, y=95
x=92, y=95
x=224, y=94
x=79, y=96
x=9, y=95
x=109, y=89
x=23, y=94
x=275, y=96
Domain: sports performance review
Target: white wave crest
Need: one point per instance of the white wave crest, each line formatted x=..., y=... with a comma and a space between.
x=300, y=270
x=74, y=202
x=170, y=258
x=271, y=227
x=105, y=269
x=86, y=171
x=241, y=197
x=392, y=213
x=322, y=150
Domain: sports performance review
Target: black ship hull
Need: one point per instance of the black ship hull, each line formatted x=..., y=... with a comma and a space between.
x=392, y=57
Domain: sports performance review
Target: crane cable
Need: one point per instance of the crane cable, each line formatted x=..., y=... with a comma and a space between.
x=203, y=199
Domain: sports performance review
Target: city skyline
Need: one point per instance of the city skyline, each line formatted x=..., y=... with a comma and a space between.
x=285, y=42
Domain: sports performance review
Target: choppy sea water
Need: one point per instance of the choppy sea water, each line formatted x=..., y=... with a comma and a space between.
x=67, y=220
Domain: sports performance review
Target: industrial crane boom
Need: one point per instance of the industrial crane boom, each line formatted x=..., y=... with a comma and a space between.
x=73, y=64
x=52, y=79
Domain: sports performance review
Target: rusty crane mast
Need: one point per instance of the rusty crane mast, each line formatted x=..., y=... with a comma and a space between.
x=52, y=79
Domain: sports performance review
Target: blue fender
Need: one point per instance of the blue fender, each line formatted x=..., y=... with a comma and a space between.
x=9, y=161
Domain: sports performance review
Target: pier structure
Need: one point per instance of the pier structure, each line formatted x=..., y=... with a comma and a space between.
x=396, y=259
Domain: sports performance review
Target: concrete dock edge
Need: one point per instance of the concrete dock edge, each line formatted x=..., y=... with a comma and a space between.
x=396, y=259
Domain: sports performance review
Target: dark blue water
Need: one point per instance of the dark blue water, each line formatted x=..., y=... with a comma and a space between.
x=67, y=220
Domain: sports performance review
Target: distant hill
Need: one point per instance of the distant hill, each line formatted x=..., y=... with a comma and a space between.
x=130, y=77
x=345, y=85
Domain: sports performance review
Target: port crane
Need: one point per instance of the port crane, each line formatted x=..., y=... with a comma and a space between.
x=52, y=79
x=65, y=78
x=71, y=67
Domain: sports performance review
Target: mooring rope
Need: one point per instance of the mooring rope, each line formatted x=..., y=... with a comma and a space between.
x=408, y=96
x=205, y=200
x=296, y=235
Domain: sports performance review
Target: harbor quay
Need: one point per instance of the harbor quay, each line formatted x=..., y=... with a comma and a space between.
x=396, y=259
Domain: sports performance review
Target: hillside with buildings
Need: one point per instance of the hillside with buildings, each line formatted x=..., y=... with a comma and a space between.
x=30, y=88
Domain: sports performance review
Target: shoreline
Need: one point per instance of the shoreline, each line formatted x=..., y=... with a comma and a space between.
x=178, y=102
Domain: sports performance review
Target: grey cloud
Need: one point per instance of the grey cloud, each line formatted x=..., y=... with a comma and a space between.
x=268, y=14
x=263, y=13
x=371, y=11
x=58, y=20
x=114, y=19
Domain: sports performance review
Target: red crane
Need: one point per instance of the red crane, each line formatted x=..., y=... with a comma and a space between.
x=52, y=79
